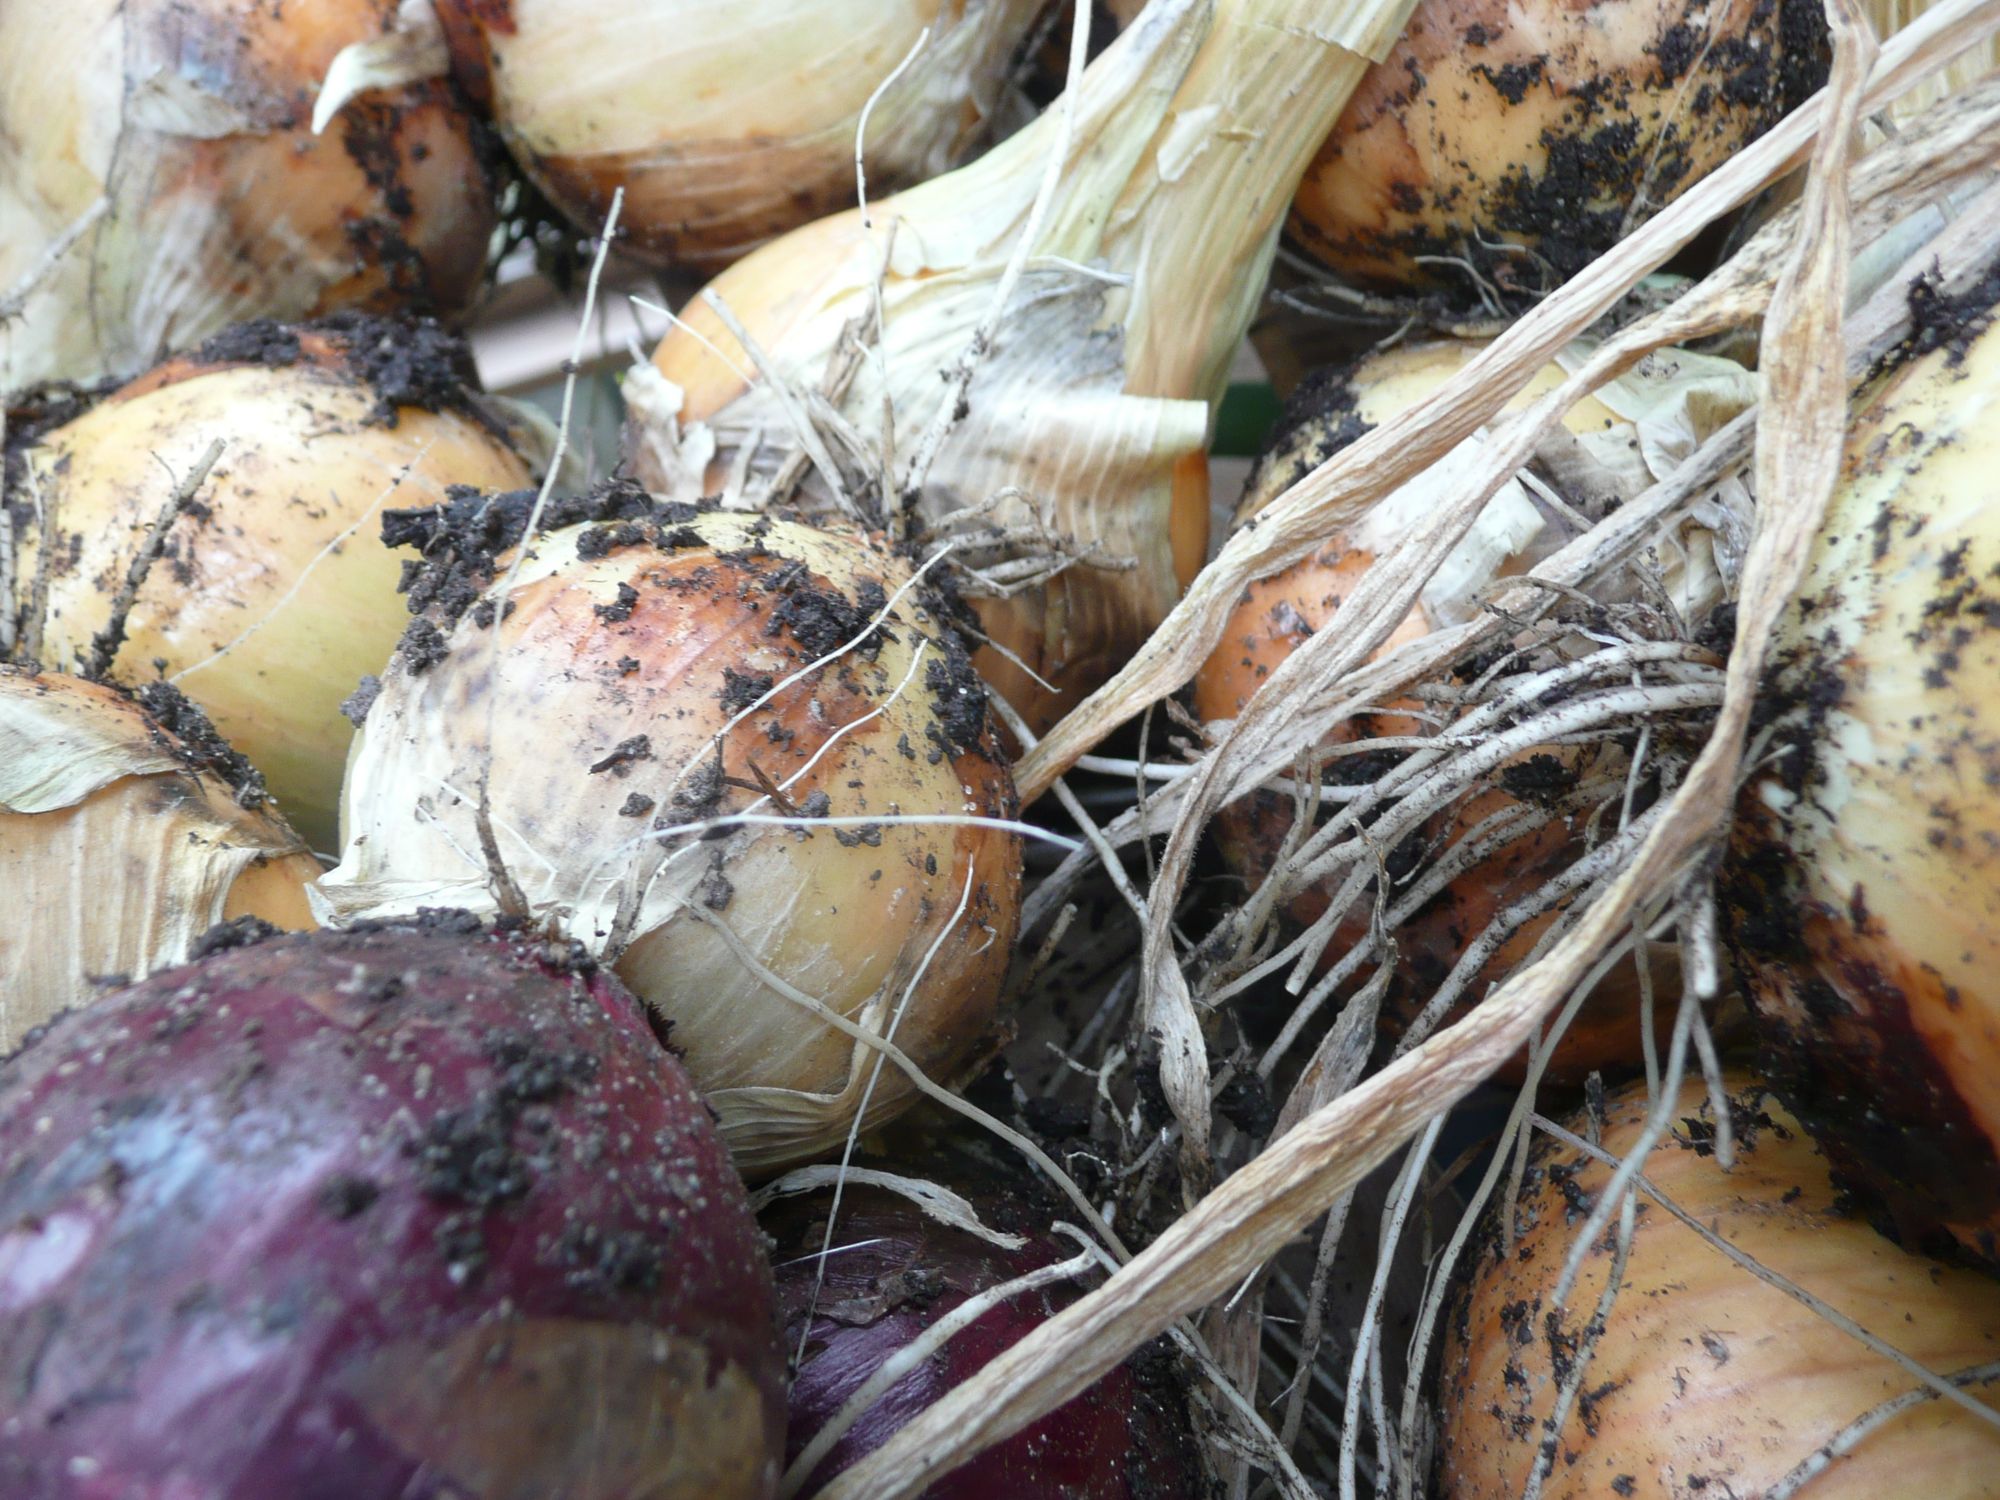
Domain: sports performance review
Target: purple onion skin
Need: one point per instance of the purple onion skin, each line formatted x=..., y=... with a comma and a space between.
x=1126, y=1438
x=421, y=1215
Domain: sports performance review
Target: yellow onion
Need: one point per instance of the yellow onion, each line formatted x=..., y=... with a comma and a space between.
x=185, y=130
x=655, y=672
x=1521, y=138
x=127, y=830
x=725, y=121
x=274, y=594
x=1081, y=437
x=1644, y=422
x=1706, y=1380
x=1865, y=883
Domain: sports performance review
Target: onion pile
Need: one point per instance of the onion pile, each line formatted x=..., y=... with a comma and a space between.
x=127, y=829
x=1704, y=1379
x=900, y=1266
x=651, y=677
x=1865, y=884
x=409, y=1211
x=162, y=153
x=1518, y=141
x=1067, y=464
x=272, y=594
x=1650, y=418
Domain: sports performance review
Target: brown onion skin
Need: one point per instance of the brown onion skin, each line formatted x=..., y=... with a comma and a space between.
x=416, y=1211
x=1546, y=124
x=1126, y=1438
x=1706, y=1381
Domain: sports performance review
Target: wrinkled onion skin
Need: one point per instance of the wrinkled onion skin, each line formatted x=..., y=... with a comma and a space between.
x=1126, y=1438
x=359, y=1214
x=390, y=209
x=1707, y=1381
x=1545, y=124
x=1863, y=889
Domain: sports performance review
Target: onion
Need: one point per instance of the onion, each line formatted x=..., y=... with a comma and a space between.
x=1514, y=142
x=896, y=1270
x=104, y=793
x=1865, y=884
x=173, y=140
x=415, y=1211
x=1648, y=419
x=1705, y=1380
x=273, y=595
x=726, y=121
x=1063, y=453
x=657, y=672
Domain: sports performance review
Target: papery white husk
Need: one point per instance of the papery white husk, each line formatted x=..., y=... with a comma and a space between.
x=119, y=853
x=921, y=915
x=184, y=130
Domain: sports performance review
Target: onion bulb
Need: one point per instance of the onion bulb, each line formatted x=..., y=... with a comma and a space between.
x=162, y=154
x=127, y=829
x=1704, y=1379
x=725, y=121
x=274, y=594
x=652, y=674
x=898, y=1267
x=1514, y=142
x=1070, y=473
x=1647, y=420
x=419, y=1212
x=1865, y=884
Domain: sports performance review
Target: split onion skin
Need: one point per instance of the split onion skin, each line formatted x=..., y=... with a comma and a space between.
x=194, y=122
x=894, y=1273
x=729, y=122
x=415, y=1211
x=1276, y=614
x=275, y=594
x=632, y=645
x=1496, y=126
x=1706, y=1380
x=100, y=794
x=1863, y=889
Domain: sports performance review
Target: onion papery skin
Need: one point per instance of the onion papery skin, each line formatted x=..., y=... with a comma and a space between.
x=193, y=123
x=275, y=595
x=420, y=1211
x=122, y=842
x=1863, y=890
x=1705, y=1380
x=728, y=122
x=894, y=1273
x=669, y=628
x=1550, y=126
x=1275, y=615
